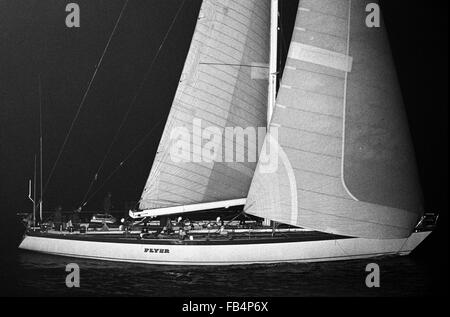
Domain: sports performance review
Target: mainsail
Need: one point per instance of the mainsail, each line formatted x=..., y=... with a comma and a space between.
x=220, y=87
x=345, y=161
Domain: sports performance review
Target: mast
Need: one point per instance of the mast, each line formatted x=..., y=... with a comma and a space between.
x=273, y=60
x=273, y=63
x=40, y=149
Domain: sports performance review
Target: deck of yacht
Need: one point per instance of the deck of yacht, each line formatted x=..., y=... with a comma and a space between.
x=211, y=236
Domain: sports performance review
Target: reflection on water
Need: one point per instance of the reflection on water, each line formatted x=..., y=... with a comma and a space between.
x=44, y=275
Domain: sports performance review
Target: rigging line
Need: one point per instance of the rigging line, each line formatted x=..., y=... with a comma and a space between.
x=85, y=95
x=140, y=143
x=94, y=179
x=40, y=142
x=403, y=244
x=230, y=221
x=284, y=44
x=133, y=101
x=239, y=214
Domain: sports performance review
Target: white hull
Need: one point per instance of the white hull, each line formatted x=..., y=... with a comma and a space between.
x=227, y=254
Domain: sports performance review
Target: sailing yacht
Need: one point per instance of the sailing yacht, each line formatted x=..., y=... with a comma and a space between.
x=341, y=175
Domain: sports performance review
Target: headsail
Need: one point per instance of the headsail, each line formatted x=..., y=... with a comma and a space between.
x=218, y=86
x=346, y=164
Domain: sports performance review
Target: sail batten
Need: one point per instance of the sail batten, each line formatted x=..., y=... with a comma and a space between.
x=346, y=165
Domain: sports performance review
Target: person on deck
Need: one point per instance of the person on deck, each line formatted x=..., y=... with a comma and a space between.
x=122, y=224
x=169, y=226
x=182, y=234
x=76, y=218
x=69, y=225
x=28, y=220
x=104, y=227
x=57, y=218
x=223, y=231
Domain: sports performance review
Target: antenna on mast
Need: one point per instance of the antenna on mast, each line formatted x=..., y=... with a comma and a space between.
x=32, y=193
x=40, y=148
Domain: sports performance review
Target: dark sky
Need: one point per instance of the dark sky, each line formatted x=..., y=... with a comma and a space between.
x=38, y=42
x=34, y=40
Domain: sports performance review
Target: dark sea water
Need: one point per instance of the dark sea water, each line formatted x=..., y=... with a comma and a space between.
x=31, y=274
x=45, y=275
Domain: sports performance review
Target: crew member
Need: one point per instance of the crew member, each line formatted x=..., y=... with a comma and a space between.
x=76, y=218
x=169, y=226
x=105, y=226
x=223, y=232
x=182, y=234
x=57, y=218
